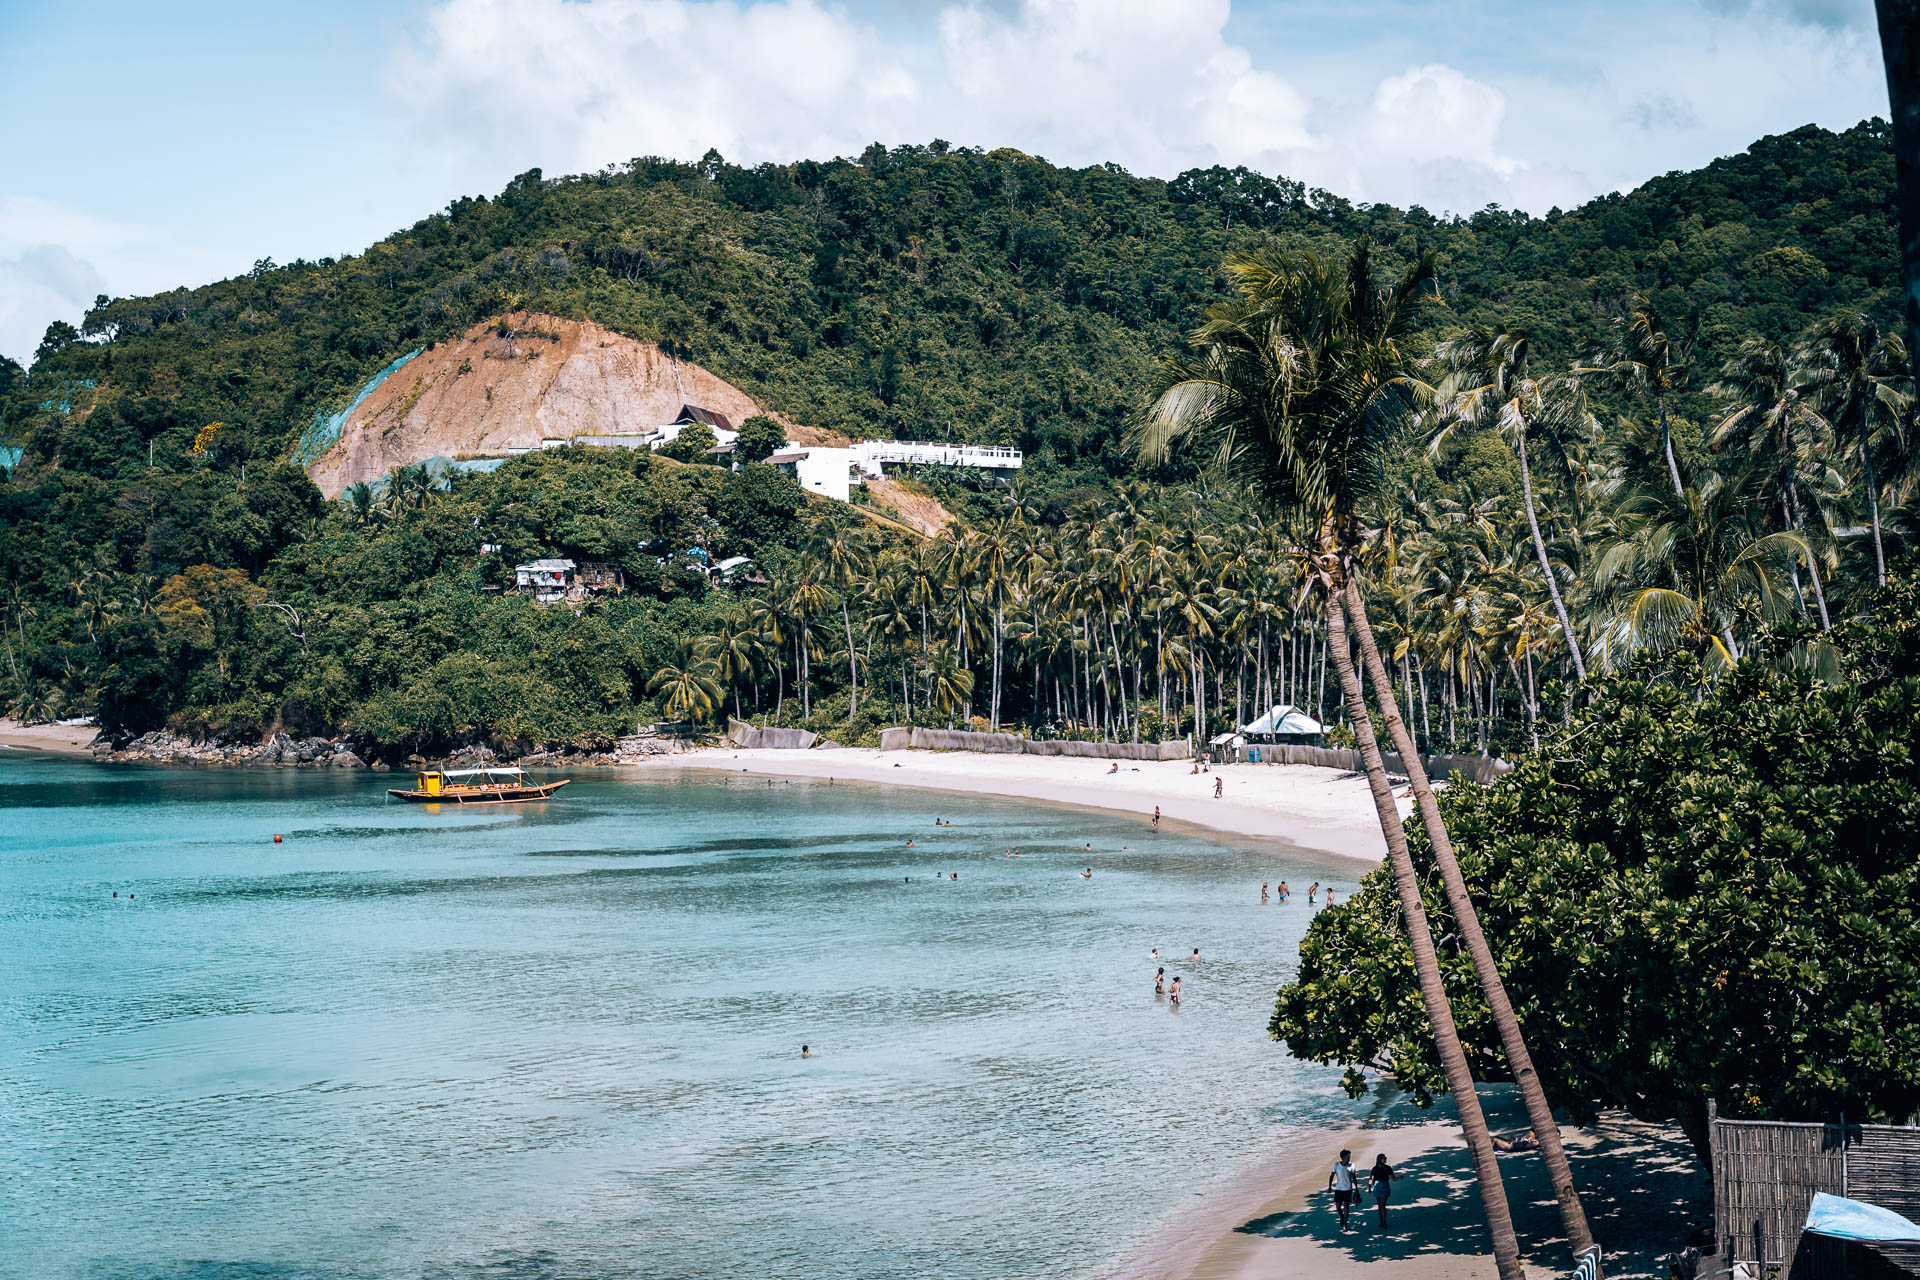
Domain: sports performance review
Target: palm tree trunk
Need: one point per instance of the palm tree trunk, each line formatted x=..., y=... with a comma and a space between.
x=1900, y=48
x=1666, y=443
x=853, y=672
x=1426, y=964
x=1546, y=565
x=1873, y=506
x=1813, y=567
x=1573, y=1215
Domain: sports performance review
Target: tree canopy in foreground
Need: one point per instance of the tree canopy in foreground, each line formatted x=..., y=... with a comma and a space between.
x=1694, y=891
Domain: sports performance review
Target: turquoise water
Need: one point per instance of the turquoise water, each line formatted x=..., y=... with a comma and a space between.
x=563, y=1041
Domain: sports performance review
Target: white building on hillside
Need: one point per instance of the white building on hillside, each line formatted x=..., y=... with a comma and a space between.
x=827, y=472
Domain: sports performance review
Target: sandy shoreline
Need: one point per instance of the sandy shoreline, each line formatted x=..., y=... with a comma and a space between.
x=49, y=739
x=1273, y=1219
x=1320, y=810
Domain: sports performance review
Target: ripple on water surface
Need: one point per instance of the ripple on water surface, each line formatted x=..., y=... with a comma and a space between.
x=564, y=1040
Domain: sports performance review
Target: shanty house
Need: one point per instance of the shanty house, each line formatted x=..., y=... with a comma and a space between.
x=544, y=580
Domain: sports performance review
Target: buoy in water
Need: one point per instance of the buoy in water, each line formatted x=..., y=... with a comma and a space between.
x=276, y=839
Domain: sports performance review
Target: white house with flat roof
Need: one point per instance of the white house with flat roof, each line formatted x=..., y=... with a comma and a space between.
x=827, y=472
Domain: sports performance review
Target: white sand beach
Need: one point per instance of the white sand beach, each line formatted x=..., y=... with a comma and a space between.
x=1323, y=810
x=50, y=739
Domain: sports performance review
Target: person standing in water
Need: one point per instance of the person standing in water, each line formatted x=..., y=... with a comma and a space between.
x=1341, y=1182
x=1285, y=892
x=1263, y=892
x=1311, y=890
x=1160, y=981
x=1173, y=996
x=804, y=1052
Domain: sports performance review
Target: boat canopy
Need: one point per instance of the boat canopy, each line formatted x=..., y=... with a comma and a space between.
x=500, y=770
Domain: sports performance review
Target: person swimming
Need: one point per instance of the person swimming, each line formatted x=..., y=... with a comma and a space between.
x=1087, y=874
x=805, y=1052
x=1195, y=956
x=1154, y=955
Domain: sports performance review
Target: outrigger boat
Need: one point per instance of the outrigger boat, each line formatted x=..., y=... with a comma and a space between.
x=497, y=785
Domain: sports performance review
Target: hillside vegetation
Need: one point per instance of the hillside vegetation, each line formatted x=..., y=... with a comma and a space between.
x=159, y=541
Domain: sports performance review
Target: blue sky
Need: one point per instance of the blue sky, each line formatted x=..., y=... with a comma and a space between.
x=160, y=145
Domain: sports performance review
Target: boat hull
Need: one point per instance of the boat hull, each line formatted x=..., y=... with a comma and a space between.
x=480, y=795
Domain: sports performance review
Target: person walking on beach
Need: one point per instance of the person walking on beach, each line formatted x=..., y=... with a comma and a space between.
x=1342, y=1182
x=1381, y=1184
x=1217, y=784
x=1156, y=817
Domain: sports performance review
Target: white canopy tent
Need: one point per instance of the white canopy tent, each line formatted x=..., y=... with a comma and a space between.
x=1284, y=722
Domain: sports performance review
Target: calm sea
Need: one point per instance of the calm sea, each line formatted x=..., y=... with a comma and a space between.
x=564, y=1040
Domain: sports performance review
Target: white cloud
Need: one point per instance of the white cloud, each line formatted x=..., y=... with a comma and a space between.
x=55, y=259
x=1154, y=85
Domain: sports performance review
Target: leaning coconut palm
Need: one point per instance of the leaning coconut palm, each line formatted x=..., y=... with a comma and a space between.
x=1291, y=386
x=1860, y=377
x=1488, y=381
x=1768, y=416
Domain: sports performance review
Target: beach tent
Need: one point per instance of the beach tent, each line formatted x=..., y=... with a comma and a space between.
x=1284, y=724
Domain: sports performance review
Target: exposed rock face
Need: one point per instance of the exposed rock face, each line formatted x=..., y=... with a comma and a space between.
x=547, y=378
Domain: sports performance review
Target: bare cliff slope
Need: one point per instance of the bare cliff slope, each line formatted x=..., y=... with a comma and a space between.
x=517, y=380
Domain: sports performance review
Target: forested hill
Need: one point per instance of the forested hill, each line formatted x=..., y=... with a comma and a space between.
x=931, y=290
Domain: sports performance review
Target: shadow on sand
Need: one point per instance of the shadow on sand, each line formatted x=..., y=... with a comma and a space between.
x=1643, y=1191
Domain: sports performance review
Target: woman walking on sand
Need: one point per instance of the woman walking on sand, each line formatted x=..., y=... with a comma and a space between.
x=1381, y=1185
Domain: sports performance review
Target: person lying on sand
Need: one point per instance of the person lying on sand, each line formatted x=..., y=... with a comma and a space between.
x=1508, y=1146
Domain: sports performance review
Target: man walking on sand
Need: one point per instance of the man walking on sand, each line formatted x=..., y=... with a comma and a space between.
x=1341, y=1182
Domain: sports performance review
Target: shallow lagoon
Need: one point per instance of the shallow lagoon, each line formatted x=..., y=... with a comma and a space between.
x=563, y=1040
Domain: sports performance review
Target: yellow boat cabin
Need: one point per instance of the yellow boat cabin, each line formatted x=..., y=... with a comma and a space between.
x=493, y=785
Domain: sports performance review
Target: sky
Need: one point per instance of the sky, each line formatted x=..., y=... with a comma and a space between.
x=152, y=146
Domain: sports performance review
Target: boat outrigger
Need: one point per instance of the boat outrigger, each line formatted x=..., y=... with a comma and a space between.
x=496, y=785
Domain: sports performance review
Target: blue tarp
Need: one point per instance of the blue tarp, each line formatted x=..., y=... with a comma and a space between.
x=325, y=427
x=1845, y=1219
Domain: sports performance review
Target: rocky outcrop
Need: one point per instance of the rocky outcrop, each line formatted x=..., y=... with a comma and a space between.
x=517, y=380
x=166, y=747
x=285, y=752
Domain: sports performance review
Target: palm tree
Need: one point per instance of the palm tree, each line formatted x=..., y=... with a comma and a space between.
x=1690, y=572
x=1292, y=385
x=842, y=555
x=1858, y=373
x=1767, y=414
x=687, y=690
x=362, y=503
x=1490, y=380
x=36, y=703
x=1644, y=362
